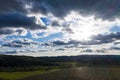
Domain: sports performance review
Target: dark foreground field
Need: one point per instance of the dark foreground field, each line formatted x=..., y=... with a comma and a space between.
x=81, y=73
x=84, y=67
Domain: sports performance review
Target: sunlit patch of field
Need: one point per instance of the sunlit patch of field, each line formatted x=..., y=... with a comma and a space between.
x=98, y=73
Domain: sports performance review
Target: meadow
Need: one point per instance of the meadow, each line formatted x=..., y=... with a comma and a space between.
x=81, y=73
x=60, y=68
x=75, y=73
x=22, y=74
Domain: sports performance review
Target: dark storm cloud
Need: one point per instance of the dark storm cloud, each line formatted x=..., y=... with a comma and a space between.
x=13, y=15
x=19, y=20
x=6, y=31
x=13, y=12
x=11, y=6
x=58, y=42
x=107, y=38
x=60, y=8
x=102, y=8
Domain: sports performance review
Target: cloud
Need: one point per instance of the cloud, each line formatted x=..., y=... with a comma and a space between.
x=55, y=23
x=19, y=20
x=115, y=48
x=107, y=38
x=13, y=31
x=11, y=6
x=6, y=31
x=73, y=43
x=8, y=52
x=69, y=46
x=44, y=50
x=19, y=24
x=20, y=32
x=59, y=42
x=87, y=50
x=12, y=45
x=68, y=30
x=19, y=9
x=101, y=51
x=60, y=49
x=64, y=25
x=63, y=7
x=96, y=39
x=19, y=43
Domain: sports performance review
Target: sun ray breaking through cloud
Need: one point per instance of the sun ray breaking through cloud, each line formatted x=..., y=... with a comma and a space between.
x=65, y=27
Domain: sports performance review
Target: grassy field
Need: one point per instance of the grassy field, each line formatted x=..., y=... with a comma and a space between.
x=84, y=67
x=76, y=73
x=19, y=75
x=82, y=73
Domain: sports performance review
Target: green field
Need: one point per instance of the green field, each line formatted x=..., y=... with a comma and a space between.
x=84, y=67
x=81, y=73
x=78, y=73
x=23, y=74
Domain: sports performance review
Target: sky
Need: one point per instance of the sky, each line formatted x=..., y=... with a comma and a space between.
x=59, y=27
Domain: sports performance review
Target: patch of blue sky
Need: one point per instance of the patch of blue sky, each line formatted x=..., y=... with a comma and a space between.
x=50, y=37
x=12, y=37
x=29, y=36
x=115, y=29
x=46, y=21
x=40, y=34
x=1, y=42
